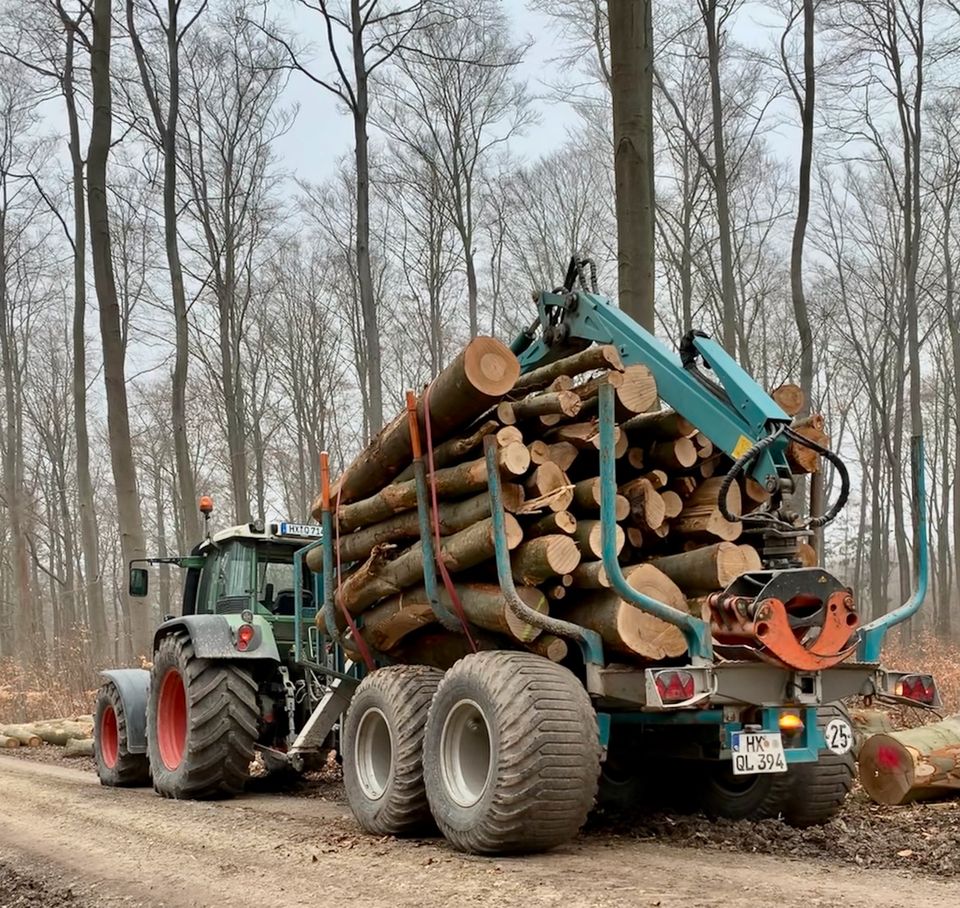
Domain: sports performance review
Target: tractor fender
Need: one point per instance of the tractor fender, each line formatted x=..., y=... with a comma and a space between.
x=214, y=637
x=133, y=686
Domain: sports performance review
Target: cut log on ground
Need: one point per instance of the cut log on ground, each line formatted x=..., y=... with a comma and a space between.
x=707, y=569
x=591, y=575
x=483, y=372
x=663, y=425
x=378, y=578
x=387, y=623
x=78, y=747
x=596, y=357
x=626, y=628
x=554, y=522
x=547, y=556
x=914, y=764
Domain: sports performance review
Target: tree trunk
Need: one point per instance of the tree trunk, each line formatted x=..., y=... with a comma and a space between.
x=710, y=568
x=595, y=357
x=543, y=557
x=589, y=535
x=631, y=70
x=118, y=420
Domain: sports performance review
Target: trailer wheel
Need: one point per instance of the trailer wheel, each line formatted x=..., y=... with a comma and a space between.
x=202, y=722
x=116, y=766
x=754, y=797
x=383, y=749
x=511, y=754
x=819, y=789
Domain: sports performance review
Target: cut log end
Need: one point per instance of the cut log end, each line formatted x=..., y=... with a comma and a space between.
x=488, y=369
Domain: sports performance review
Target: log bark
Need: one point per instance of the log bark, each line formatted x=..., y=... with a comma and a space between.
x=582, y=435
x=565, y=404
x=627, y=629
x=387, y=623
x=543, y=557
x=707, y=569
x=586, y=495
x=562, y=453
x=454, y=516
x=638, y=393
x=59, y=733
x=918, y=763
x=807, y=554
x=483, y=372
x=672, y=504
x=78, y=747
x=679, y=454
x=455, y=449
x=8, y=742
x=588, y=535
x=790, y=398
x=663, y=425
x=25, y=734
x=378, y=578
x=596, y=357
x=591, y=575
x=550, y=647
x=452, y=482
x=549, y=487
x=554, y=522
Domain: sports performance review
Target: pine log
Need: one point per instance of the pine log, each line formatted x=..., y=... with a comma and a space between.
x=678, y=454
x=562, y=453
x=591, y=575
x=453, y=450
x=483, y=372
x=588, y=535
x=790, y=398
x=554, y=522
x=549, y=486
x=378, y=578
x=454, y=516
x=701, y=517
x=753, y=493
x=546, y=556
x=78, y=747
x=647, y=508
x=918, y=763
x=25, y=734
x=451, y=482
x=387, y=623
x=708, y=569
x=596, y=357
x=8, y=742
x=586, y=495
x=628, y=629
x=662, y=425
x=550, y=647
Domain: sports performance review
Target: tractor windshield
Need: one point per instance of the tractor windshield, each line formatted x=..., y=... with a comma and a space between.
x=275, y=589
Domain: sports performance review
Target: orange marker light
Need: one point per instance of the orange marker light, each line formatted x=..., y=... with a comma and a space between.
x=790, y=723
x=206, y=505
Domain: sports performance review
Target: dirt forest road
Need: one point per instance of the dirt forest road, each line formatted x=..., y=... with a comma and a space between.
x=64, y=840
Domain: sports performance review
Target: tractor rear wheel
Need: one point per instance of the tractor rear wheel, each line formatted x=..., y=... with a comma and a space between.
x=116, y=766
x=511, y=754
x=753, y=797
x=383, y=749
x=202, y=722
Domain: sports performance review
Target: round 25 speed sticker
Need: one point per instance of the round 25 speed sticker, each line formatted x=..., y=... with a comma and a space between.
x=839, y=735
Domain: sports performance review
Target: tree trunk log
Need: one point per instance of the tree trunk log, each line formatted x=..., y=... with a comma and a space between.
x=8, y=742
x=628, y=629
x=550, y=403
x=547, y=556
x=549, y=487
x=905, y=766
x=386, y=624
x=455, y=449
x=586, y=495
x=664, y=425
x=647, y=507
x=672, y=504
x=701, y=517
x=790, y=398
x=562, y=453
x=480, y=375
x=705, y=570
x=679, y=454
x=378, y=578
x=803, y=459
x=588, y=535
x=591, y=575
x=24, y=734
x=78, y=747
x=554, y=522
x=550, y=647
x=596, y=357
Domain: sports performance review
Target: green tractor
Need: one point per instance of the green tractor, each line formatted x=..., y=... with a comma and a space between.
x=240, y=670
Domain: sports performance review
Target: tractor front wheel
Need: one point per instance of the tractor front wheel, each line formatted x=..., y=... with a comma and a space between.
x=116, y=766
x=202, y=722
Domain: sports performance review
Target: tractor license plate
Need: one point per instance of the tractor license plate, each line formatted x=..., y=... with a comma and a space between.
x=756, y=752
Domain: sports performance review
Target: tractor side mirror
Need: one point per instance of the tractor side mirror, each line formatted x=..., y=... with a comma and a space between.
x=139, y=582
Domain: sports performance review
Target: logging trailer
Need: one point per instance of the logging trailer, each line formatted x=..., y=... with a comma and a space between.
x=505, y=750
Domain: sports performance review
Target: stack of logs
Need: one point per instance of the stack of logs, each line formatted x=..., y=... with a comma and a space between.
x=674, y=544
x=74, y=735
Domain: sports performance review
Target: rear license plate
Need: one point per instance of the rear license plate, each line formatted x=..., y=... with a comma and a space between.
x=757, y=752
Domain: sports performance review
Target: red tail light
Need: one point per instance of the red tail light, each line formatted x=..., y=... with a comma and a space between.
x=675, y=687
x=920, y=688
x=244, y=635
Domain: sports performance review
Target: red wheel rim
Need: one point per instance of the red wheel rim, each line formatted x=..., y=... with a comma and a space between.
x=172, y=719
x=109, y=737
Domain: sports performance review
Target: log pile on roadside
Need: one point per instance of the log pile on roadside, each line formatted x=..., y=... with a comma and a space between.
x=674, y=544
x=74, y=734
